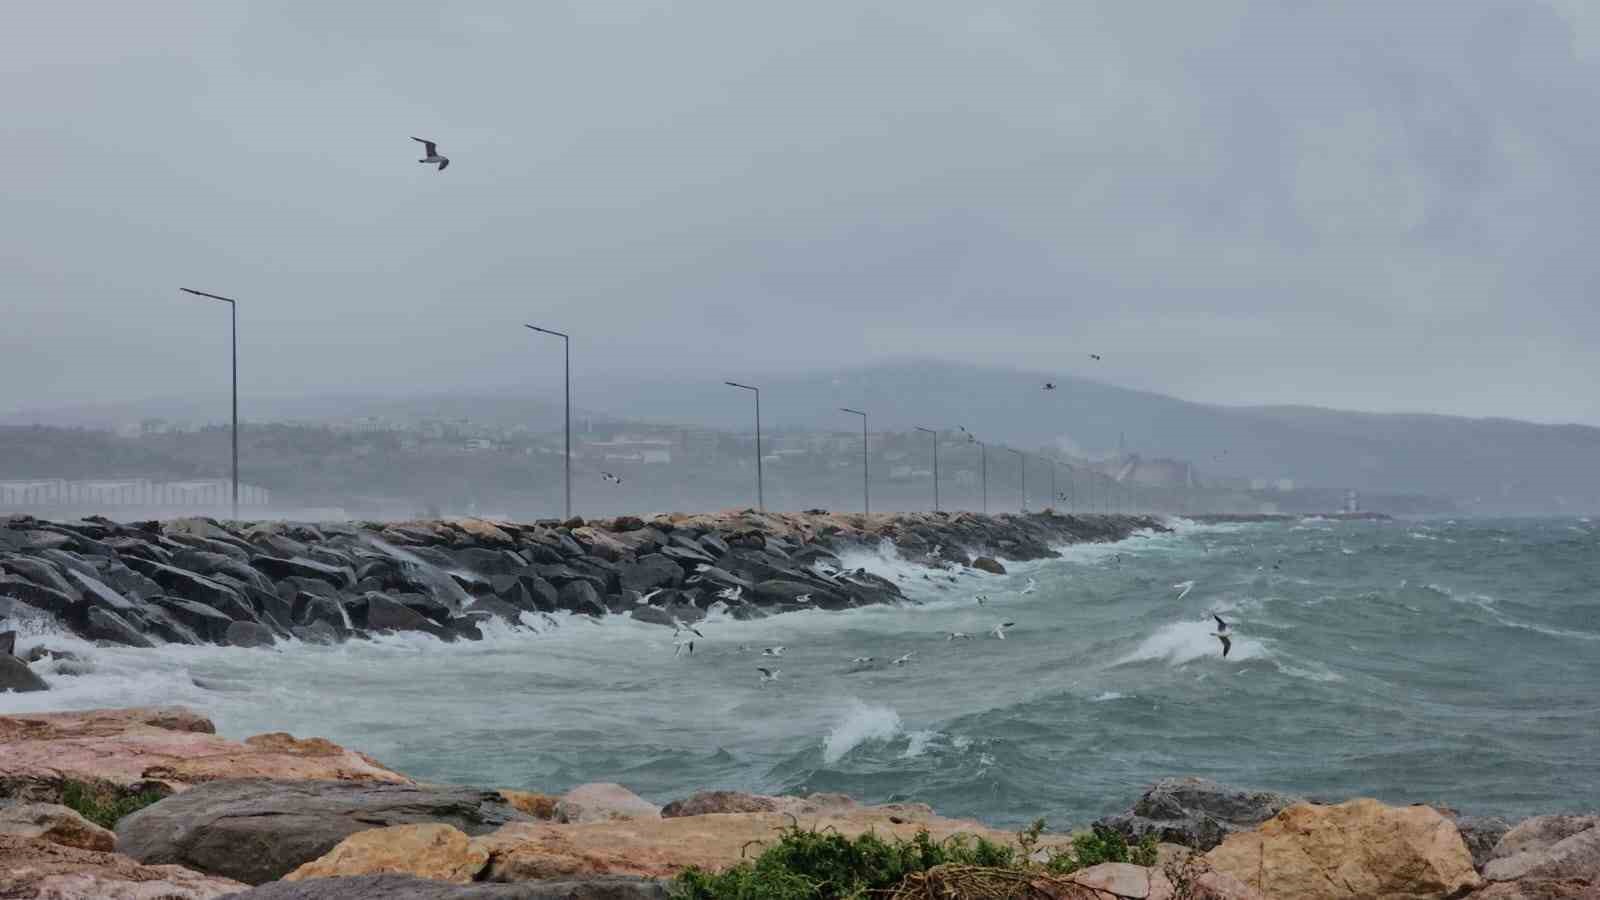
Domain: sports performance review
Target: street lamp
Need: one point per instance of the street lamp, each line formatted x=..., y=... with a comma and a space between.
x=566, y=346
x=761, y=497
x=233, y=313
x=1022, y=459
x=935, y=436
x=866, y=488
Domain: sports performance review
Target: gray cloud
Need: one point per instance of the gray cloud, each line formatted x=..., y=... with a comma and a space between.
x=1378, y=206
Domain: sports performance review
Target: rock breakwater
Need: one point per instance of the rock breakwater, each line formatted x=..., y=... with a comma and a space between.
x=194, y=581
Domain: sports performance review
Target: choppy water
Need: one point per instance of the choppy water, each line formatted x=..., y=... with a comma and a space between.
x=1455, y=662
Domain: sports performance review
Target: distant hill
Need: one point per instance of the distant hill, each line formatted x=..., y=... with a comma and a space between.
x=1486, y=465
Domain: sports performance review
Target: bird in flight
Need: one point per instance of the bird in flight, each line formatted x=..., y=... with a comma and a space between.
x=803, y=598
x=768, y=674
x=682, y=644
x=773, y=651
x=862, y=661
x=1095, y=357
x=641, y=599
x=433, y=157
x=957, y=636
x=1185, y=587
x=1032, y=586
x=1222, y=635
x=902, y=660
x=999, y=630
x=614, y=479
x=731, y=594
x=983, y=599
x=1049, y=385
x=679, y=626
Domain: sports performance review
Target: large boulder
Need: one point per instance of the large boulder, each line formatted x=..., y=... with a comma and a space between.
x=581, y=597
x=101, y=624
x=38, y=596
x=131, y=751
x=989, y=564
x=56, y=824
x=1548, y=848
x=1357, y=849
x=650, y=572
x=430, y=850
x=40, y=869
x=248, y=634
x=16, y=676
x=1196, y=812
x=301, y=567
x=258, y=830
x=406, y=887
x=717, y=802
x=604, y=802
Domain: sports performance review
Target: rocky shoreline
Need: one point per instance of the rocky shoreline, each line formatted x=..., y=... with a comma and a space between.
x=194, y=581
x=282, y=818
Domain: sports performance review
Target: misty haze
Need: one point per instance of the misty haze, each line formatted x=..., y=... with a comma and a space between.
x=673, y=442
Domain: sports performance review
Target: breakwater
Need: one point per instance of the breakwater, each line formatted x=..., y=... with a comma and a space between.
x=198, y=580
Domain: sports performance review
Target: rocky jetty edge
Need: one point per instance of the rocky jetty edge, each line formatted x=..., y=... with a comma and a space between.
x=198, y=580
x=183, y=814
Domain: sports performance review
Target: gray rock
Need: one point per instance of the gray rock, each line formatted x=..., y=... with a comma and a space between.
x=1481, y=834
x=160, y=622
x=989, y=564
x=257, y=830
x=1547, y=848
x=248, y=634
x=188, y=585
x=8, y=643
x=209, y=624
x=1196, y=812
x=97, y=593
x=714, y=544
x=779, y=590
x=315, y=633
x=279, y=568
x=581, y=597
x=39, y=572
x=38, y=596
x=16, y=676
x=650, y=572
x=484, y=607
x=405, y=887
x=385, y=614
x=103, y=624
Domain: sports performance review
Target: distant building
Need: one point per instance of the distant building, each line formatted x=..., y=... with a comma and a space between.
x=630, y=448
x=131, y=492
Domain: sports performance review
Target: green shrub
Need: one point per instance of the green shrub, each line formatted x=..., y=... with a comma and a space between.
x=104, y=806
x=1102, y=845
x=806, y=864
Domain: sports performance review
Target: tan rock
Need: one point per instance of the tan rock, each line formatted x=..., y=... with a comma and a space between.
x=707, y=803
x=602, y=802
x=56, y=824
x=484, y=530
x=1576, y=856
x=1360, y=848
x=1565, y=889
x=1541, y=833
x=434, y=851
x=540, y=806
x=658, y=847
x=41, y=869
x=122, y=748
x=1118, y=879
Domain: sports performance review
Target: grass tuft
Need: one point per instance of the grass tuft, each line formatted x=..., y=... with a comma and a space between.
x=104, y=806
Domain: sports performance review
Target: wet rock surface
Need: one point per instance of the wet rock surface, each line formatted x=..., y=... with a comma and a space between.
x=250, y=584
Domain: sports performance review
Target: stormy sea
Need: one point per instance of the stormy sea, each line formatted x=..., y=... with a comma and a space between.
x=1439, y=661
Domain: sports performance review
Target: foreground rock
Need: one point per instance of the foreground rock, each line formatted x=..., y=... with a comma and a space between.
x=661, y=847
x=56, y=824
x=433, y=851
x=1356, y=849
x=1546, y=856
x=405, y=887
x=253, y=584
x=32, y=868
x=167, y=749
x=1196, y=812
x=286, y=824
x=16, y=676
x=1123, y=881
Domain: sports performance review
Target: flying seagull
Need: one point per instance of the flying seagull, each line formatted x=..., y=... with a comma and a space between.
x=957, y=636
x=678, y=626
x=862, y=661
x=614, y=479
x=682, y=644
x=803, y=598
x=433, y=157
x=642, y=599
x=1222, y=627
x=1095, y=357
x=1049, y=385
x=999, y=630
x=1032, y=586
x=1185, y=587
x=983, y=599
x=1226, y=644
x=902, y=660
x=768, y=674
x=773, y=651
x=731, y=594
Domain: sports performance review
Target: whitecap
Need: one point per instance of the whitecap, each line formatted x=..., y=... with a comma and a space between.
x=860, y=724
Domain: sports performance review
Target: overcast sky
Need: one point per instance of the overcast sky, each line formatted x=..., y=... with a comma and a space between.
x=1370, y=205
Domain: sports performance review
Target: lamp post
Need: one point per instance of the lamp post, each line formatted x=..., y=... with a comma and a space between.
x=761, y=496
x=866, y=484
x=1022, y=460
x=233, y=313
x=935, y=435
x=566, y=346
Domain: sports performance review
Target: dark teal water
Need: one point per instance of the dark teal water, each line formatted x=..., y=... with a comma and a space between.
x=1441, y=662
